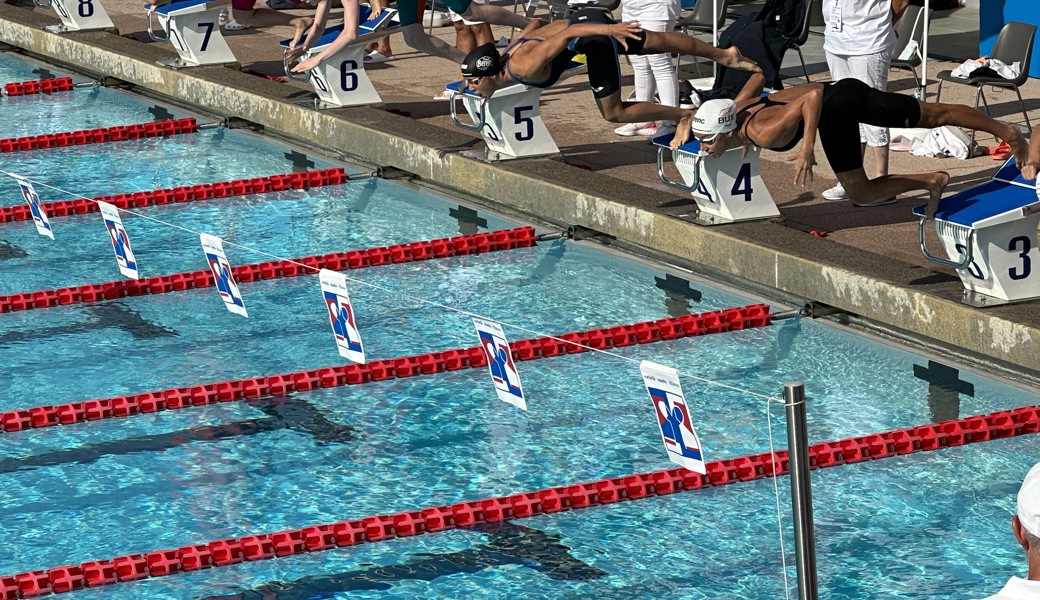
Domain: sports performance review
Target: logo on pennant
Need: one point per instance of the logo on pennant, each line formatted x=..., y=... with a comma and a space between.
x=43, y=226
x=221, y=269
x=673, y=416
x=341, y=315
x=500, y=362
x=120, y=240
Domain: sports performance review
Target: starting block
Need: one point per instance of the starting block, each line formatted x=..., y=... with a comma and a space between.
x=341, y=80
x=193, y=27
x=86, y=15
x=510, y=120
x=989, y=233
x=727, y=188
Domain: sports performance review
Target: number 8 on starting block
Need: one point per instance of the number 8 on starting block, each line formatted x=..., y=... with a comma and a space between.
x=727, y=188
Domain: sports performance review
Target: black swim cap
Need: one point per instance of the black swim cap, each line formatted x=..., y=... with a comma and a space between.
x=482, y=61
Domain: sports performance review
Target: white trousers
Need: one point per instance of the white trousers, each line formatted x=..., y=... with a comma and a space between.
x=871, y=69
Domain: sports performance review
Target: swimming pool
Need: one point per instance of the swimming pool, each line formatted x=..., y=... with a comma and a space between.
x=166, y=480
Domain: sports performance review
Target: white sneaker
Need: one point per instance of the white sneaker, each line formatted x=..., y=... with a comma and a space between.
x=222, y=17
x=835, y=194
x=631, y=129
x=649, y=131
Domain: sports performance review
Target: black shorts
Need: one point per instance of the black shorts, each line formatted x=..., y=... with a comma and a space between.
x=849, y=102
x=601, y=53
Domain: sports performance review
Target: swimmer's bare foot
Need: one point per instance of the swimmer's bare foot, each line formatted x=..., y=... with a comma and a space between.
x=940, y=180
x=735, y=60
x=1019, y=145
x=682, y=131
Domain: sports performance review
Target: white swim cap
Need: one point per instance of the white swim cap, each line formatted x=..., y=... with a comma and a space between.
x=715, y=117
x=1029, y=501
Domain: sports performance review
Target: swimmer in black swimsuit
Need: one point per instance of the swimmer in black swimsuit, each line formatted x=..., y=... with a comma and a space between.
x=779, y=121
x=540, y=61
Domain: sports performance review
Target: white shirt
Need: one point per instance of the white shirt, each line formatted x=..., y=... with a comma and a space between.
x=1018, y=589
x=858, y=27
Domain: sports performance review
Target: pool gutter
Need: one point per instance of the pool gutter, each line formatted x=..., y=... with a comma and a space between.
x=898, y=296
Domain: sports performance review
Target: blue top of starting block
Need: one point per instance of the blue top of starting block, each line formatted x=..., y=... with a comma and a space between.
x=365, y=26
x=178, y=5
x=693, y=146
x=985, y=202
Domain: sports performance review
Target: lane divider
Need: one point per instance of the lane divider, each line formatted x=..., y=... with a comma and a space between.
x=732, y=319
x=96, y=136
x=39, y=86
x=189, y=193
x=317, y=538
x=507, y=239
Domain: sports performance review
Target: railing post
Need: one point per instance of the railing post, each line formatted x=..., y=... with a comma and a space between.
x=801, y=490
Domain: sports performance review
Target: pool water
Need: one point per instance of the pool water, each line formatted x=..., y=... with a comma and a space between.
x=917, y=526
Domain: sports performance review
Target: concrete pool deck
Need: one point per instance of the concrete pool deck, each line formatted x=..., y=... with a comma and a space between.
x=868, y=266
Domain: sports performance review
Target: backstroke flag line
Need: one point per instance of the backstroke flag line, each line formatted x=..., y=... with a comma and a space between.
x=43, y=226
x=120, y=240
x=221, y=270
x=341, y=314
x=500, y=362
x=673, y=416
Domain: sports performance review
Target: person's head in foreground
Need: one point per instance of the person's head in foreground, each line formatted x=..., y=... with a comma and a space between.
x=480, y=69
x=1026, y=526
x=713, y=125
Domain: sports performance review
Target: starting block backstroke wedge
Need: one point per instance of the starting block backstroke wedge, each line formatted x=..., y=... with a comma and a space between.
x=341, y=80
x=77, y=15
x=193, y=27
x=727, y=188
x=989, y=233
x=510, y=120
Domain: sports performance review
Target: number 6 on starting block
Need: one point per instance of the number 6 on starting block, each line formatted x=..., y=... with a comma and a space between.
x=727, y=188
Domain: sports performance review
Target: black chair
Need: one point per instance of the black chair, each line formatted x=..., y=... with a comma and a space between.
x=702, y=20
x=797, y=42
x=910, y=28
x=1014, y=44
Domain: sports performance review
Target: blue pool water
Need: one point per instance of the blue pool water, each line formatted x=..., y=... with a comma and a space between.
x=919, y=526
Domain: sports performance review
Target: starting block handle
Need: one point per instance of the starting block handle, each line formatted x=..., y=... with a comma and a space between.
x=287, y=66
x=969, y=253
x=679, y=186
x=151, y=31
x=479, y=124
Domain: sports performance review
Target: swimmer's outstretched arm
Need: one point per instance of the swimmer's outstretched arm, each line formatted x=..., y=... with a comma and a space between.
x=348, y=35
x=1032, y=165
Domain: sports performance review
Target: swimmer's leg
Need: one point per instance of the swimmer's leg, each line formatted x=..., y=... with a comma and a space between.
x=862, y=190
x=937, y=115
x=658, y=42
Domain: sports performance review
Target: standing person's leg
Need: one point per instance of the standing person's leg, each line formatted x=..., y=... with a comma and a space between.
x=839, y=67
x=644, y=83
x=665, y=78
x=241, y=14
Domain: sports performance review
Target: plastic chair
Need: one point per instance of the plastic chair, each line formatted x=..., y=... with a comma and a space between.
x=803, y=36
x=701, y=20
x=1014, y=44
x=909, y=29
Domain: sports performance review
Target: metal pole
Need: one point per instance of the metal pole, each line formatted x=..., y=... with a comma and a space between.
x=801, y=490
x=922, y=93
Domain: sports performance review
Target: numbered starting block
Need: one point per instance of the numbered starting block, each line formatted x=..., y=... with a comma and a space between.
x=193, y=27
x=510, y=120
x=341, y=80
x=77, y=15
x=989, y=234
x=727, y=188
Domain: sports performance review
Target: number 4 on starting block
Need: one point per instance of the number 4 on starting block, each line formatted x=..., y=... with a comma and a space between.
x=727, y=188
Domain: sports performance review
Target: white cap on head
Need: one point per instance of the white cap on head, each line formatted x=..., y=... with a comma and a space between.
x=714, y=117
x=1029, y=501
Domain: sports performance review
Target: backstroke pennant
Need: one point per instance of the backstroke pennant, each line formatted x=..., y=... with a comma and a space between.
x=341, y=314
x=500, y=362
x=673, y=416
x=43, y=226
x=221, y=270
x=120, y=240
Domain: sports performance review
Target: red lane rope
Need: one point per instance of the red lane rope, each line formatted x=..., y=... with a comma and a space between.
x=756, y=315
x=191, y=193
x=316, y=538
x=521, y=237
x=96, y=136
x=39, y=86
